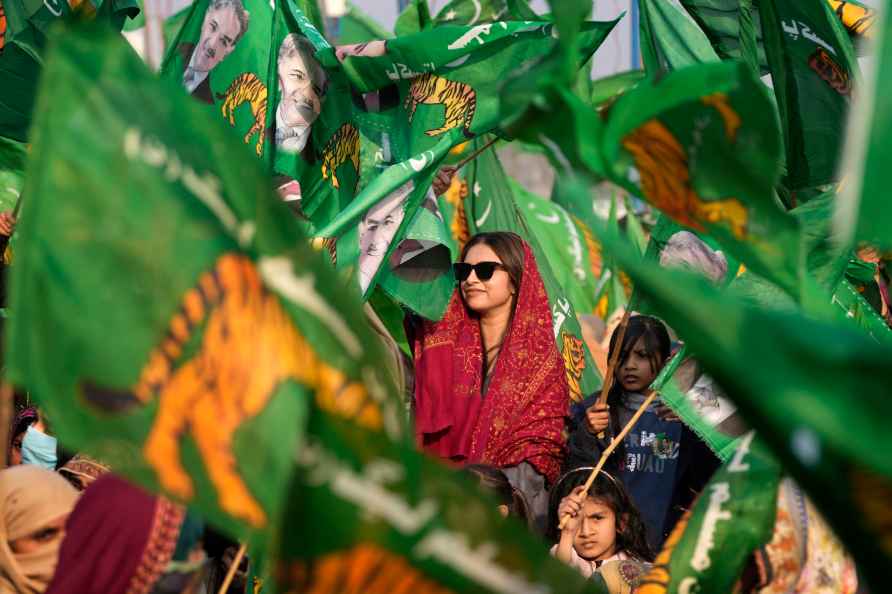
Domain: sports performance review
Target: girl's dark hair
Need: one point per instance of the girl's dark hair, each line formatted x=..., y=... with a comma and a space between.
x=631, y=535
x=657, y=345
x=494, y=480
x=507, y=246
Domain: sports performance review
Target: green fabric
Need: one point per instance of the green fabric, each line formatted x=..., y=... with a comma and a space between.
x=358, y=27
x=387, y=518
x=733, y=27
x=413, y=19
x=609, y=88
x=96, y=304
x=676, y=39
x=732, y=517
x=21, y=59
x=473, y=12
x=571, y=250
x=862, y=212
x=708, y=130
x=12, y=172
x=701, y=144
x=813, y=70
x=811, y=389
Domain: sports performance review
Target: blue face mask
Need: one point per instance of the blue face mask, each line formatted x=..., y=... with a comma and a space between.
x=39, y=449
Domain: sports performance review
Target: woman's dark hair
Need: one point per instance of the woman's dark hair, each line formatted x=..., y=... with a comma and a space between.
x=631, y=535
x=507, y=246
x=494, y=480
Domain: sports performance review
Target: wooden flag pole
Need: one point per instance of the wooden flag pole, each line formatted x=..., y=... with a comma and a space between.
x=7, y=414
x=232, y=569
x=614, y=358
x=613, y=445
x=476, y=153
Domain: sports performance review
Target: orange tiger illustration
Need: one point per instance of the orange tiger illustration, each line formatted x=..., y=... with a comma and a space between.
x=573, y=355
x=455, y=195
x=657, y=580
x=341, y=147
x=459, y=99
x=666, y=179
x=858, y=20
x=596, y=261
x=247, y=88
x=364, y=569
x=829, y=70
x=249, y=348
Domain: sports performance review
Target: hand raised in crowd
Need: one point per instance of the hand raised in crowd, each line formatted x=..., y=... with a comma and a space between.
x=598, y=417
x=443, y=179
x=7, y=223
x=571, y=508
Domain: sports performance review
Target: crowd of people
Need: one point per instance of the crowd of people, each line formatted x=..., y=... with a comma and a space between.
x=490, y=396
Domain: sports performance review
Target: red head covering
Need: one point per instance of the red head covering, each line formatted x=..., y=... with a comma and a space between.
x=521, y=417
x=118, y=540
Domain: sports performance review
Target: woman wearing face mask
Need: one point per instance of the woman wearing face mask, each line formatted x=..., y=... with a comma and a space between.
x=23, y=419
x=36, y=504
x=490, y=385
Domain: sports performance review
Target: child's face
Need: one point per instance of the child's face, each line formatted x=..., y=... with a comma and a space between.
x=596, y=538
x=636, y=373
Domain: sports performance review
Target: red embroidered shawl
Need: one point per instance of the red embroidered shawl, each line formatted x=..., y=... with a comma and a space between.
x=521, y=417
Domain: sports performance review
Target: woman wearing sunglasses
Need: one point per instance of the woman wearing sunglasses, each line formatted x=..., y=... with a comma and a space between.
x=490, y=386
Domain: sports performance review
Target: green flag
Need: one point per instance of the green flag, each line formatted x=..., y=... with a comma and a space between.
x=732, y=517
x=701, y=144
x=444, y=75
x=862, y=213
x=733, y=27
x=358, y=27
x=181, y=339
x=813, y=69
x=811, y=389
x=23, y=29
x=572, y=252
x=385, y=518
x=670, y=38
x=473, y=12
x=415, y=17
x=12, y=172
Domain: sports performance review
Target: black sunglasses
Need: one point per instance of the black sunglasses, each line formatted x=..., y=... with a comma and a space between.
x=483, y=270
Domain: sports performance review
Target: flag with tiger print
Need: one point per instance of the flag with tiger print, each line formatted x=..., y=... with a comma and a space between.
x=184, y=343
x=701, y=144
x=258, y=70
x=386, y=518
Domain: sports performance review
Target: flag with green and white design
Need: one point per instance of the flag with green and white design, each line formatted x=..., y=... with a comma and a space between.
x=732, y=517
x=811, y=391
x=862, y=213
x=183, y=343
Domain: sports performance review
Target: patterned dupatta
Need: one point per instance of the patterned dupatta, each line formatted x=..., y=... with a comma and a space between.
x=119, y=540
x=521, y=416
